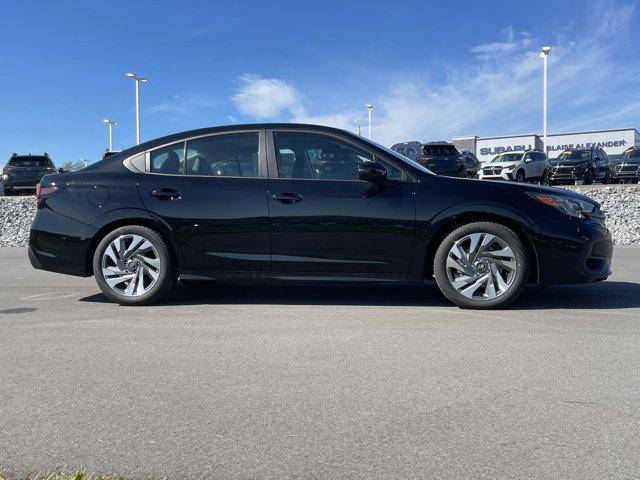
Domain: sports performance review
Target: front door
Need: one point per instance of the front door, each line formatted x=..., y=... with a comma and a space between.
x=324, y=219
x=211, y=191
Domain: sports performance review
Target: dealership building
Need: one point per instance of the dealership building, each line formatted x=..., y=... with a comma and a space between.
x=614, y=142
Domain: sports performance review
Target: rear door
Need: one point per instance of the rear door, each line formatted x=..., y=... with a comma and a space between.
x=324, y=219
x=211, y=191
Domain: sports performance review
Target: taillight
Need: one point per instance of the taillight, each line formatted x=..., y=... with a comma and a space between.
x=44, y=191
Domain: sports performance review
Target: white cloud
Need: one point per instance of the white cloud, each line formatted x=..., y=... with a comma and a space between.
x=265, y=98
x=498, y=92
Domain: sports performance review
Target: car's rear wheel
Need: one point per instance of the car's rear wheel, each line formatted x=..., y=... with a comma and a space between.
x=481, y=265
x=133, y=266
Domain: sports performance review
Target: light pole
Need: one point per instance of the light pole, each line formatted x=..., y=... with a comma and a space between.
x=369, y=107
x=138, y=80
x=544, y=53
x=110, y=123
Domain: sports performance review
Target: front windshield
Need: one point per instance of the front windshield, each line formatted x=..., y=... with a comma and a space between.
x=506, y=157
x=574, y=155
x=630, y=154
x=398, y=156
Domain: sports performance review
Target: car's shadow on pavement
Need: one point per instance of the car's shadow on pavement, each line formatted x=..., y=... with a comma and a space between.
x=604, y=295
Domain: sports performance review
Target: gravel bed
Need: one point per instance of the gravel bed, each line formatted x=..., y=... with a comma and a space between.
x=16, y=214
x=621, y=202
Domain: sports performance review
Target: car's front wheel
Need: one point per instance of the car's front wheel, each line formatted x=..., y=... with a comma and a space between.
x=481, y=265
x=132, y=266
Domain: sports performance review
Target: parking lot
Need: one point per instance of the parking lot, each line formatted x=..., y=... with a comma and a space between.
x=224, y=381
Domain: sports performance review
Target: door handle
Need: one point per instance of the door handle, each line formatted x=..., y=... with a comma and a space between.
x=287, y=197
x=166, y=194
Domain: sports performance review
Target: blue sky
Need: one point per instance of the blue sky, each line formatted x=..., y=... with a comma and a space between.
x=432, y=69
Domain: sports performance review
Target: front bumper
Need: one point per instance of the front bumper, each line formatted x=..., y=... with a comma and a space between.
x=503, y=175
x=626, y=172
x=566, y=174
x=581, y=254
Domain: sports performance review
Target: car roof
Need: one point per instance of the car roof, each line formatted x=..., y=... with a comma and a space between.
x=110, y=161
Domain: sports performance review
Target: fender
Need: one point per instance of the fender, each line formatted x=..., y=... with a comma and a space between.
x=131, y=215
x=427, y=229
x=491, y=208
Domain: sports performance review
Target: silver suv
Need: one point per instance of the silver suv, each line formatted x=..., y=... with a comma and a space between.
x=527, y=166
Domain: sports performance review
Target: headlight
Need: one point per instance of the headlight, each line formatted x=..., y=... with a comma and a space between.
x=571, y=206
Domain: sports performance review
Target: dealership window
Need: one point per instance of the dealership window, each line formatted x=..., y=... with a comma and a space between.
x=321, y=157
x=231, y=155
x=168, y=160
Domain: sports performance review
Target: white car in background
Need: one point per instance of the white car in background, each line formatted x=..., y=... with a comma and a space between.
x=525, y=166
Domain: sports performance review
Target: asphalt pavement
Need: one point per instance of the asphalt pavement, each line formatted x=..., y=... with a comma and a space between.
x=235, y=381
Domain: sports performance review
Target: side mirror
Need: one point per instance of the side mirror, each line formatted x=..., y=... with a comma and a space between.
x=527, y=160
x=372, y=172
x=596, y=159
x=60, y=170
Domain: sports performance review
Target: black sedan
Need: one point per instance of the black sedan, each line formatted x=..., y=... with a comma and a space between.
x=307, y=203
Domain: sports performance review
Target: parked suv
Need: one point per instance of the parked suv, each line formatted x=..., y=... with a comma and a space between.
x=525, y=166
x=441, y=158
x=24, y=172
x=581, y=165
x=627, y=166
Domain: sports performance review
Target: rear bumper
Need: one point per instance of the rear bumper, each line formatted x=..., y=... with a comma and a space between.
x=60, y=244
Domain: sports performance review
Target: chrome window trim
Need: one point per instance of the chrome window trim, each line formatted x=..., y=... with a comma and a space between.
x=261, y=145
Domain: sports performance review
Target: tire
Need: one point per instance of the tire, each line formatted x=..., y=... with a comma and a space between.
x=588, y=177
x=606, y=179
x=146, y=260
x=514, y=278
x=6, y=192
x=520, y=178
x=543, y=178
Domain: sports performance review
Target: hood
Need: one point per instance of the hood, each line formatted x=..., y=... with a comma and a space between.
x=569, y=162
x=529, y=188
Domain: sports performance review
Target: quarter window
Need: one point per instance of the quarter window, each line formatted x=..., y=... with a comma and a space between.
x=232, y=155
x=320, y=157
x=168, y=160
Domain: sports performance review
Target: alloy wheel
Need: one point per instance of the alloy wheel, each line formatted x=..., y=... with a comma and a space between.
x=131, y=265
x=481, y=266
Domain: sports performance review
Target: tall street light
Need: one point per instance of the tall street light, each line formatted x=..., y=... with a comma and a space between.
x=544, y=53
x=111, y=123
x=138, y=80
x=369, y=107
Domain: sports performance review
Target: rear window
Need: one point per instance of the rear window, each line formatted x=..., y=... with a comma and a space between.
x=440, y=150
x=30, y=162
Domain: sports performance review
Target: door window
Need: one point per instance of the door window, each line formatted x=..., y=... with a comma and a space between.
x=168, y=160
x=232, y=155
x=321, y=157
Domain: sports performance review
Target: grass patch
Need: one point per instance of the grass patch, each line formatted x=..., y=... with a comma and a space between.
x=58, y=474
